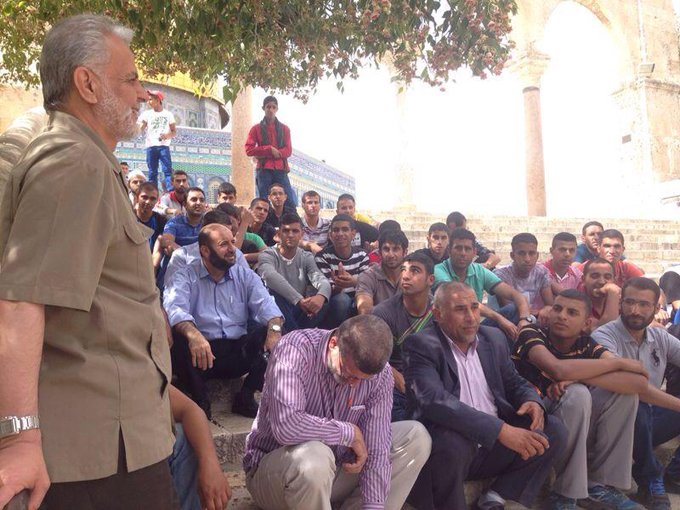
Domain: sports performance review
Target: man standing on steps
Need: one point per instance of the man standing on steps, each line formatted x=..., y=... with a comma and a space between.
x=322, y=435
x=159, y=125
x=269, y=142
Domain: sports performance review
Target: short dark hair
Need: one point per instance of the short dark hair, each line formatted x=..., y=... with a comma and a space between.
x=524, y=237
x=258, y=199
x=344, y=217
x=196, y=189
x=226, y=187
x=461, y=233
x=290, y=218
x=577, y=295
x=597, y=260
x=346, y=196
x=565, y=237
x=124, y=163
x=423, y=259
x=389, y=225
x=367, y=341
x=439, y=226
x=611, y=233
x=148, y=186
x=216, y=216
x=310, y=193
x=591, y=224
x=276, y=185
x=642, y=283
x=179, y=172
x=229, y=209
x=456, y=218
x=270, y=99
x=395, y=237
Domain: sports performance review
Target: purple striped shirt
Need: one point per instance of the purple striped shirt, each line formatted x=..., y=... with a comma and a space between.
x=301, y=401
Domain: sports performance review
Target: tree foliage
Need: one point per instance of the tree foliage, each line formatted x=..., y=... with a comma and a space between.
x=283, y=45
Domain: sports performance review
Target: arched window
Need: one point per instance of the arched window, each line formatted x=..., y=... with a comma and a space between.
x=211, y=191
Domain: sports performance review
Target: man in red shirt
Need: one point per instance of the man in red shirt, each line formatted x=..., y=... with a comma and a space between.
x=269, y=142
x=611, y=247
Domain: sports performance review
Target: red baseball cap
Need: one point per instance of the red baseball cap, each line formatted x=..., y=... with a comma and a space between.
x=156, y=93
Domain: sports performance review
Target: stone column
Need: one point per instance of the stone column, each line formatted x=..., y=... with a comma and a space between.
x=530, y=68
x=242, y=176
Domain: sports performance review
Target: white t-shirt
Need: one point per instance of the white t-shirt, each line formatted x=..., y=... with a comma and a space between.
x=157, y=124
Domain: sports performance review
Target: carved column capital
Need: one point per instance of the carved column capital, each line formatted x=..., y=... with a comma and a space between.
x=530, y=67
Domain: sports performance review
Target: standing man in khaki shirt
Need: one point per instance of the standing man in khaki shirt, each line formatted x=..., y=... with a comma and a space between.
x=82, y=335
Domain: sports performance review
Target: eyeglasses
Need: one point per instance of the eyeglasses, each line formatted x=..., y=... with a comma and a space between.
x=642, y=305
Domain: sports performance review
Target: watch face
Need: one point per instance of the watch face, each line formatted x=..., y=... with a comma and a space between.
x=276, y=328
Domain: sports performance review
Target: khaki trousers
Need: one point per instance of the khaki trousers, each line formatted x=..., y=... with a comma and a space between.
x=305, y=477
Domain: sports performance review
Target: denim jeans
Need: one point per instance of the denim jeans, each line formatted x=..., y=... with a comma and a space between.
x=398, y=406
x=266, y=177
x=509, y=312
x=654, y=425
x=153, y=156
x=293, y=316
x=184, y=470
x=340, y=308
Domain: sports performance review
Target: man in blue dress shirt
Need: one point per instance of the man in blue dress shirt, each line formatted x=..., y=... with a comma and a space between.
x=209, y=305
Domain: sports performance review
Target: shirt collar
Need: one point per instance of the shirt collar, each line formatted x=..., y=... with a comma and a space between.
x=471, y=350
x=648, y=339
x=203, y=273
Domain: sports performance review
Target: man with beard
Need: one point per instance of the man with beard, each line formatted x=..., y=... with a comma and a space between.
x=407, y=313
x=209, y=305
x=183, y=230
x=147, y=199
x=134, y=179
x=658, y=415
x=604, y=294
x=322, y=437
x=381, y=281
x=82, y=334
x=159, y=125
x=173, y=203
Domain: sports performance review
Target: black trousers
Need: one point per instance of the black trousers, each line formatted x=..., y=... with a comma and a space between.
x=455, y=459
x=233, y=359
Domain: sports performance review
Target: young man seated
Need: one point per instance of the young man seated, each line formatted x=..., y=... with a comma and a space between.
x=658, y=416
x=250, y=244
x=210, y=305
x=342, y=264
x=278, y=206
x=366, y=232
x=301, y=291
x=147, y=198
x=173, y=203
x=589, y=248
x=374, y=255
x=183, y=229
x=437, y=243
x=611, y=247
x=527, y=277
x=259, y=209
x=460, y=268
x=381, y=281
x=604, y=294
x=405, y=314
x=484, y=419
x=594, y=393
x=314, y=228
x=485, y=256
x=226, y=193
x=563, y=274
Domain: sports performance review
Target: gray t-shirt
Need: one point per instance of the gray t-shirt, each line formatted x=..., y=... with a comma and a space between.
x=374, y=283
x=658, y=348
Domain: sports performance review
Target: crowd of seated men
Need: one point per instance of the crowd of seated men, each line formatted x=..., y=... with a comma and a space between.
x=501, y=372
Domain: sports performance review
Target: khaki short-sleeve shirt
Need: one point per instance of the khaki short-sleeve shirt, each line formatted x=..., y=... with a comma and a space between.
x=69, y=240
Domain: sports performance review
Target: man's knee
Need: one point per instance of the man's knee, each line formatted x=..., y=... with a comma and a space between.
x=457, y=448
x=312, y=463
x=556, y=433
x=416, y=440
x=643, y=417
x=577, y=401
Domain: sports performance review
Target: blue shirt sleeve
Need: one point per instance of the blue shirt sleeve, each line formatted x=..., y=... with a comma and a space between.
x=261, y=304
x=177, y=298
x=171, y=228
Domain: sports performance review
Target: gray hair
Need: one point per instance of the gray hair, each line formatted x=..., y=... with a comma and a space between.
x=72, y=42
x=367, y=341
x=445, y=290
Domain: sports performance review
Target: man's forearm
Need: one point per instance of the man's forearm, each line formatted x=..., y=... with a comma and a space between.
x=188, y=330
x=22, y=329
x=653, y=395
x=489, y=313
x=364, y=304
x=523, y=308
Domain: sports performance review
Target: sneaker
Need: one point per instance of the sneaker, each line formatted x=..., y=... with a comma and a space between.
x=654, y=496
x=602, y=497
x=558, y=502
x=245, y=405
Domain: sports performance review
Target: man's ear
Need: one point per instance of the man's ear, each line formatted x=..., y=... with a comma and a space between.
x=86, y=84
x=430, y=280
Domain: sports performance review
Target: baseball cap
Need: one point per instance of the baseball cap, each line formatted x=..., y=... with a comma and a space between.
x=156, y=93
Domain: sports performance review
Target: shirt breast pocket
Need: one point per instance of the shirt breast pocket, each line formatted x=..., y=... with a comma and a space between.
x=355, y=414
x=138, y=236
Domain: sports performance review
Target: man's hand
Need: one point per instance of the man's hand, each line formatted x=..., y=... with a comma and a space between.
x=272, y=339
x=609, y=288
x=246, y=216
x=508, y=328
x=631, y=365
x=556, y=390
x=341, y=278
x=662, y=317
x=22, y=466
x=359, y=447
x=213, y=487
x=543, y=315
x=170, y=248
x=525, y=442
x=314, y=304
x=399, y=381
x=201, y=353
x=535, y=411
x=275, y=153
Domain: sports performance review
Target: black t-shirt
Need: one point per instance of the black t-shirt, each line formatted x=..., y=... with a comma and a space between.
x=531, y=336
x=428, y=253
x=274, y=220
x=365, y=234
x=267, y=233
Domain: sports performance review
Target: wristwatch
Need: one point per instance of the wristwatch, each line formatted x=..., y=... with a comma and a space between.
x=275, y=328
x=12, y=425
x=529, y=318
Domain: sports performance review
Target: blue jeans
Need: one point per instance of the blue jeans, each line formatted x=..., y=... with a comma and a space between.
x=654, y=425
x=184, y=471
x=398, y=405
x=509, y=312
x=293, y=316
x=153, y=156
x=266, y=177
x=340, y=308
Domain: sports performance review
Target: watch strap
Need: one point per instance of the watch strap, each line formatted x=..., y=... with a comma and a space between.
x=12, y=425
